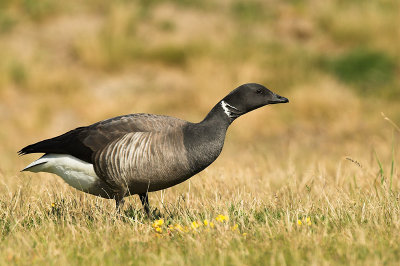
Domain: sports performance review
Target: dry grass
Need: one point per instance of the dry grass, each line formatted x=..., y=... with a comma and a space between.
x=327, y=160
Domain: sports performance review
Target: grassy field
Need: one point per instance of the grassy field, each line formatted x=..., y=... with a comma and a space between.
x=312, y=182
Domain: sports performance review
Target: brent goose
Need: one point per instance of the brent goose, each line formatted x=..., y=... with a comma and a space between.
x=141, y=153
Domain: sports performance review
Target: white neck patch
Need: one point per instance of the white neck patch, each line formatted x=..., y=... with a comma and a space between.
x=230, y=111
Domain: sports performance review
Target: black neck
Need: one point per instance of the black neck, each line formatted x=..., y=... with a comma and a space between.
x=217, y=116
x=222, y=115
x=204, y=140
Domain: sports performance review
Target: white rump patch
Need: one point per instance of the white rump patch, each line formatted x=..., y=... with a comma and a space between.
x=77, y=173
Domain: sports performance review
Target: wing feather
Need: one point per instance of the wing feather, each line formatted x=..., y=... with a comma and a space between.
x=84, y=142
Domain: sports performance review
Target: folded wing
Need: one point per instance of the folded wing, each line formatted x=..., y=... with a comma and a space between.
x=84, y=142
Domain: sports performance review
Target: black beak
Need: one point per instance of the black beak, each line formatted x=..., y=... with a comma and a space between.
x=279, y=99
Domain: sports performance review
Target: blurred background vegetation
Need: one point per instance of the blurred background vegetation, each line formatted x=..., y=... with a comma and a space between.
x=66, y=64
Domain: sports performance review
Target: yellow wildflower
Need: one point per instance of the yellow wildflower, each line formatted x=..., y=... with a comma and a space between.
x=211, y=224
x=206, y=223
x=158, y=223
x=178, y=227
x=195, y=225
x=299, y=222
x=53, y=205
x=308, y=220
x=235, y=227
x=221, y=218
x=158, y=230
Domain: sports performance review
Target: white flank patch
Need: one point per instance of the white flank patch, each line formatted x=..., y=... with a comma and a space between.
x=77, y=173
x=226, y=107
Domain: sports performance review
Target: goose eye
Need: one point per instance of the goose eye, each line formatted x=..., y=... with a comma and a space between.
x=259, y=91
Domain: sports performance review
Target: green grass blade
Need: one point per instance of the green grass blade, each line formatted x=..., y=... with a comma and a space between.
x=381, y=171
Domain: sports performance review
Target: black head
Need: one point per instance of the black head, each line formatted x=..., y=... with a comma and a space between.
x=250, y=96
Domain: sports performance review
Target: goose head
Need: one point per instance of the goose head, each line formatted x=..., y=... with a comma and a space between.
x=249, y=97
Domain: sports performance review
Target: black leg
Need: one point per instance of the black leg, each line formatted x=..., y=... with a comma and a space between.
x=144, y=198
x=119, y=203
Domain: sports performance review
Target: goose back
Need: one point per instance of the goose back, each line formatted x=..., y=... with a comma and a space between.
x=84, y=142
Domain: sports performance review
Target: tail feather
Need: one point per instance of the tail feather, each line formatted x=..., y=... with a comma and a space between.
x=26, y=150
x=68, y=143
x=57, y=144
x=45, y=146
